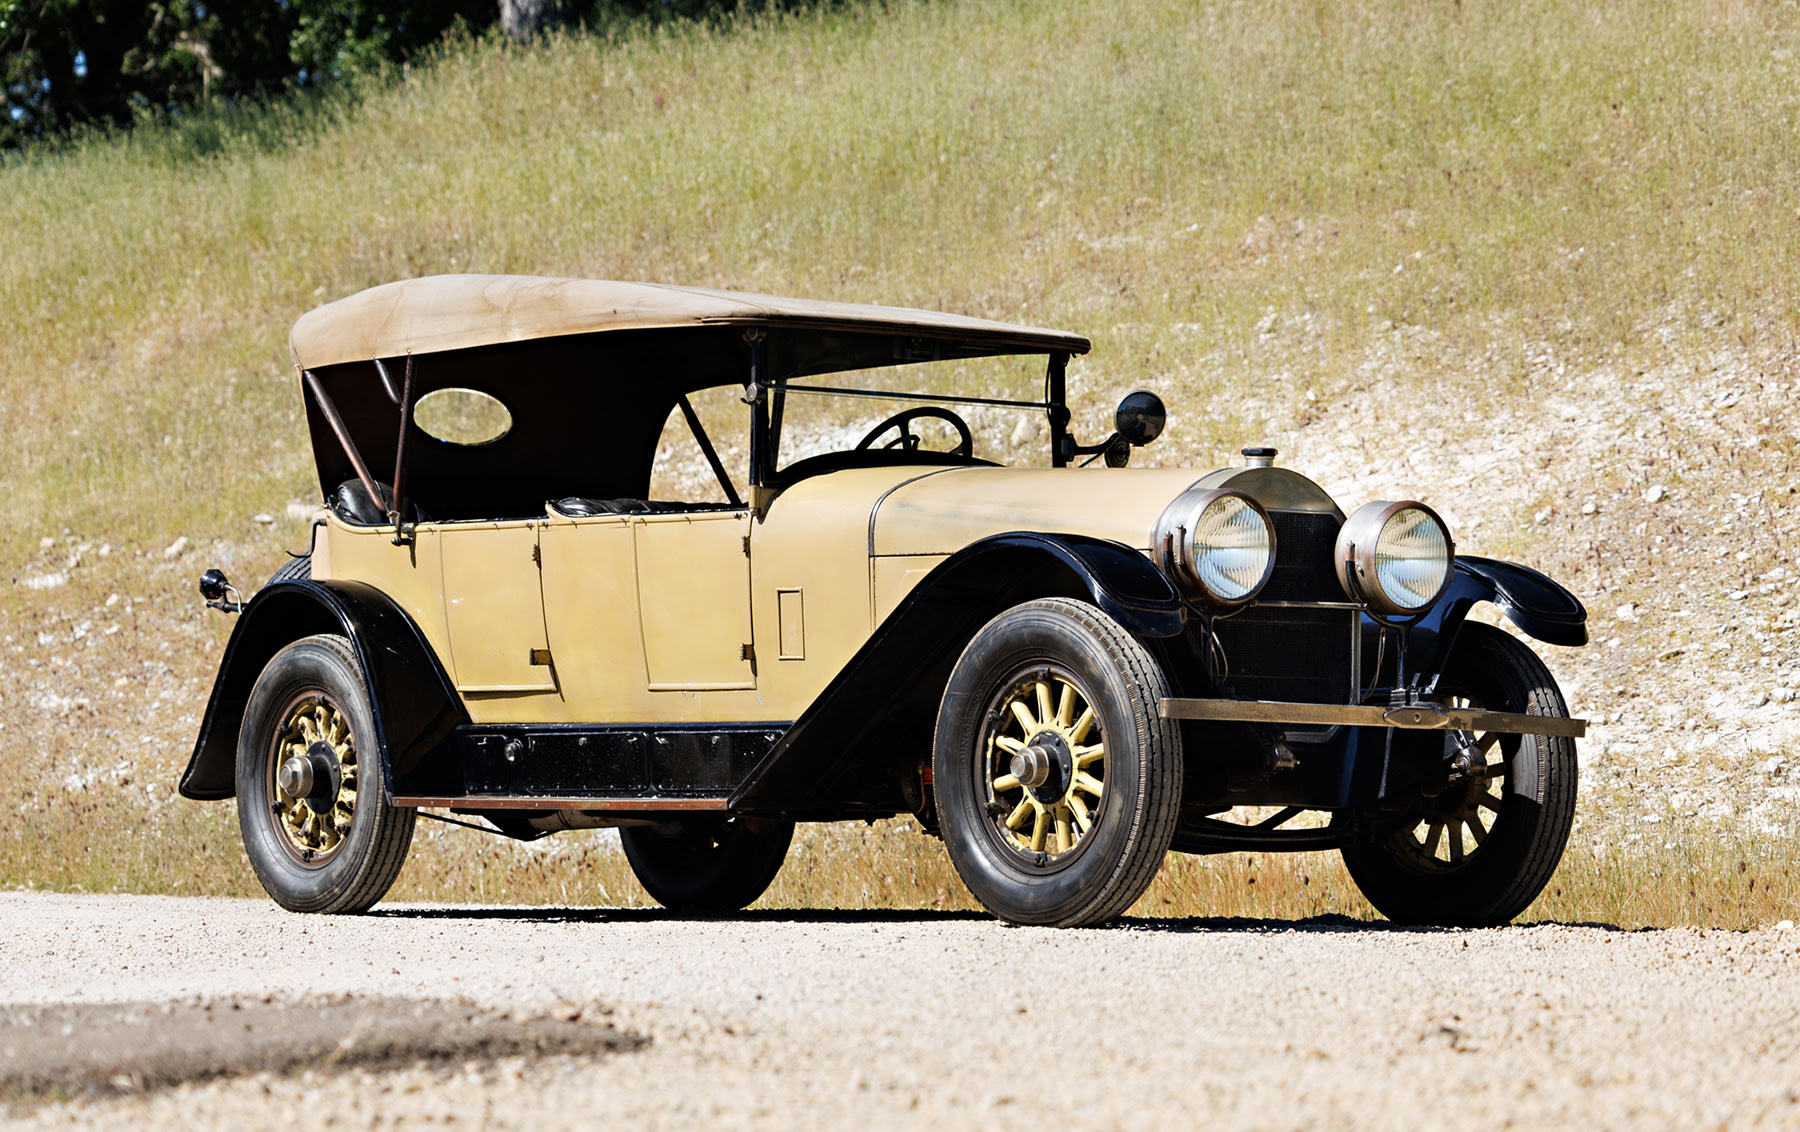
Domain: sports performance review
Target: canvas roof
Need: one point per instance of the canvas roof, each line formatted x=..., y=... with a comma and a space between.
x=440, y=313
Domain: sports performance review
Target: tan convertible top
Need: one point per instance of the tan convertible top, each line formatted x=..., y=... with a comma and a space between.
x=454, y=312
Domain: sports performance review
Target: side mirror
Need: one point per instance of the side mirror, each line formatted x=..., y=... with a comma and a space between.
x=1140, y=418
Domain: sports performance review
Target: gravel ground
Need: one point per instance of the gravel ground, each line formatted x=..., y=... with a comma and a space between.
x=908, y=1019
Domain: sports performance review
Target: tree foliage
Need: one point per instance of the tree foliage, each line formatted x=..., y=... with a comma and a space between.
x=68, y=62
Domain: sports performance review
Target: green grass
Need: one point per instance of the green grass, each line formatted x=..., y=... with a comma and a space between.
x=1158, y=175
x=1242, y=204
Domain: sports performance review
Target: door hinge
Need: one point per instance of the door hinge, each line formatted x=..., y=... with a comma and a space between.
x=746, y=546
x=537, y=555
x=747, y=652
x=540, y=658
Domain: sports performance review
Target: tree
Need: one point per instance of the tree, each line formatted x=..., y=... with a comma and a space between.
x=67, y=62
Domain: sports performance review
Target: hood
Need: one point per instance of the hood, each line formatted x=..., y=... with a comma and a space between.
x=942, y=511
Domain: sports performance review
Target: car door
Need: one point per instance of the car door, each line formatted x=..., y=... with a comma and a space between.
x=494, y=607
x=693, y=575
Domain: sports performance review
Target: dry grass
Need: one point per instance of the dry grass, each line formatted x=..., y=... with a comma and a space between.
x=1387, y=236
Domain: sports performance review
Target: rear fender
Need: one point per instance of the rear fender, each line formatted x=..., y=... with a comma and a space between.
x=412, y=700
x=874, y=721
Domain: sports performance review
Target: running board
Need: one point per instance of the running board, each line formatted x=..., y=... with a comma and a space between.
x=1412, y=717
x=539, y=802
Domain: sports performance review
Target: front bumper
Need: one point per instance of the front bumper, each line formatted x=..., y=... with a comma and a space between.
x=1412, y=717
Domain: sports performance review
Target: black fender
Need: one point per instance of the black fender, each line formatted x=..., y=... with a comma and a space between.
x=874, y=721
x=413, y=701
x=1534, y=602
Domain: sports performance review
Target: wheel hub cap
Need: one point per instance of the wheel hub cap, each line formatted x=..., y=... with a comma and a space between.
x=1049, y=768
x=295, y=778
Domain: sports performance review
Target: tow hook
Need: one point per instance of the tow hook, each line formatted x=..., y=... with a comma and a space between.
x=219, y=592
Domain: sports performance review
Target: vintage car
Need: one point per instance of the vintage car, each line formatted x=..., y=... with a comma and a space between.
x=1065, y=671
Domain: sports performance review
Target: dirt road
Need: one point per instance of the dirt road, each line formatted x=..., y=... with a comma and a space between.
x=912, y=1020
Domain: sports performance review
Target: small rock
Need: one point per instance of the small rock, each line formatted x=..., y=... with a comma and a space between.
x=1655, y=493
x=300, y=512
x=1589, y=508
x=174, y=549
x=262, y=517
x=1627, y=612
x=1785, y=926
x=112, y=600
x=1773, y=767
x=46, y=543
x=1541, y=517
x=1652, y=819
x=1023, y=433
x=1782, y=695
x=44, y=581
x=1759, y=699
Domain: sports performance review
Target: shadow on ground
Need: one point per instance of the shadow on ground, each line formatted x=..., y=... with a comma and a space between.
x=882, y=916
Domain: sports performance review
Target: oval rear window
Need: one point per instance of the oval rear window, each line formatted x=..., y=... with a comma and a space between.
x=462, y=416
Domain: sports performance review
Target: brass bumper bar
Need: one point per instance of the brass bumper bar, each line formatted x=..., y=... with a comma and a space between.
x=1421, y=717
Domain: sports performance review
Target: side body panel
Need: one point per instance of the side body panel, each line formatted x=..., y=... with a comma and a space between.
x=411, y=576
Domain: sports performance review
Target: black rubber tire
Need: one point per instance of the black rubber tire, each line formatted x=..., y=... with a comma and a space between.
x=1134, y=822
x=707, y=864
x=295, y=569
x=1501, y=877
x=366, y=862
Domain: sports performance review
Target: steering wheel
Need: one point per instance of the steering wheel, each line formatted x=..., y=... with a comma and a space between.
x=908, y=441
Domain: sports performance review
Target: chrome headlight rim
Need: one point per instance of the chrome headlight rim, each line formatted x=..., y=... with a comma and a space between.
x=1357, y=563
x=1180, y=559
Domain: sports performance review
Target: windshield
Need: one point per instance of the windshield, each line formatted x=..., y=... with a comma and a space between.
x=984, y=409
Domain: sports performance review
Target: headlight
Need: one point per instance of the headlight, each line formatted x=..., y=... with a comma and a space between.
x=1218, y=544
x=1395, y=556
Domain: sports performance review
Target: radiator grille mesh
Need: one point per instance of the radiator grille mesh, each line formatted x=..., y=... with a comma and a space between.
x=1294, y=655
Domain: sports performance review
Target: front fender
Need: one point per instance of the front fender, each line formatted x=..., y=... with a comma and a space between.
x=880, y=709
x=1125, y=584
x=1534, y=602
x=414, y=705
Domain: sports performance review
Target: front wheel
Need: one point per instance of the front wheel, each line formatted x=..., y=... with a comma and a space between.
x=317, y=824
x=1478, y=854
x=1058, y=782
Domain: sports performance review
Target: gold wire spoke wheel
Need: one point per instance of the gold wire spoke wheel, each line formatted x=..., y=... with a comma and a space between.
x=1045, y=728
x=314, y=814
x=1466, y=816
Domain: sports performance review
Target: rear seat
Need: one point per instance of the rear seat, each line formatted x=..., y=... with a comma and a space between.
x=352, y=503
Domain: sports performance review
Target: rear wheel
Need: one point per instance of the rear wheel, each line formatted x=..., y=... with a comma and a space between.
x=1479, y=853
x=317, y=824
x=1058, y=782
x=707, y=864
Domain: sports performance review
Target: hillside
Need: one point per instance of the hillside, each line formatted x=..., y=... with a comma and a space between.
x=1529, y=262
